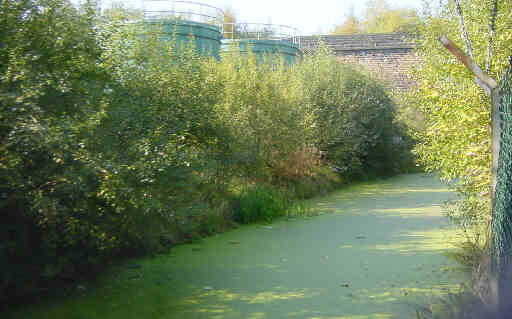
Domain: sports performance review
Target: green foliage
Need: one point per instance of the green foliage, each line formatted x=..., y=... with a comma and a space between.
x=260, y=204
x=288, y=120
x=469, y=212
x=351, y=25
x=116, y=142
x=354, y=117
x=322, y=181
x=106, y=141
x=455, y=136
x=157, y=146
x=230, y=19
x=456, y=139
x=380, y=17
x=261, y=106
x=49, y=80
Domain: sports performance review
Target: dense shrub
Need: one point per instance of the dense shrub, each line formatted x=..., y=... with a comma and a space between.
x=114, y=142
x=159, y=143
x=354, y=117
x=105, y=146
x=262, y=106
x=260, y=204
x=322, y=181
x=49, y=83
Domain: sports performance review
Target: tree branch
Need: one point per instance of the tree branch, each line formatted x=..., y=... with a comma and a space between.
x=465, y=35
x=491, y=88
x=469, y=63
x=492, y=28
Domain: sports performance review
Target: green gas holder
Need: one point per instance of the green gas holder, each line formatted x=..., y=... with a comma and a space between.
x=186, y=23
x=205, y=38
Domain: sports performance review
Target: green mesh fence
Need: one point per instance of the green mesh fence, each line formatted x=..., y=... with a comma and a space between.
x=502, y=204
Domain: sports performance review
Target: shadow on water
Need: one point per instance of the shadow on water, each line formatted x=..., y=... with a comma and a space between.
x=374, y=251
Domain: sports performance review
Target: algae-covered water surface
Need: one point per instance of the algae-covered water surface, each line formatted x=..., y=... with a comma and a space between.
x=375, y=251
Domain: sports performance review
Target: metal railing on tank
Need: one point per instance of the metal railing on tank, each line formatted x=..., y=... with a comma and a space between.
x=261, y=31
x=182, y=10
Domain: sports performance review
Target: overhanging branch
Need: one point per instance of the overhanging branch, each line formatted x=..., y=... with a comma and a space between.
x=482, y=76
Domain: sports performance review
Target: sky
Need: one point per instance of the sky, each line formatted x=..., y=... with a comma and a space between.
x=310, y=17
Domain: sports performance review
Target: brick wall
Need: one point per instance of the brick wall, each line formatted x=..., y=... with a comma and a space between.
x=388, y=56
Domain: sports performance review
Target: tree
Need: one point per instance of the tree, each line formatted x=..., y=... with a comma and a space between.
x=51, y=86
x=230, y=20
x=105, y=136
x=373, y=19
x=449, y=92
x=379, y=17
x=350, y=26
x=354, y=117
x=500, y=186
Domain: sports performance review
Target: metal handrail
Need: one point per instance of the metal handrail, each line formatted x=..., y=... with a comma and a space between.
x=261, y=31
x=185, y=10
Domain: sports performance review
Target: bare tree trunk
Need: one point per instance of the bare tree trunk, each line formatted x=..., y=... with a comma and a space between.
x=492, y=28
x=465, y=36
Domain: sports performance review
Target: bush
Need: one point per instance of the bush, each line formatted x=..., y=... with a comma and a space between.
x=114, y=143
x=322, y=181
x=105, y=143
x=262, y=107
x=260, y=204
x=50, y=84
x=354, y=117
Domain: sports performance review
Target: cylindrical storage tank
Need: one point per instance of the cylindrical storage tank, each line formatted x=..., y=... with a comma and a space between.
x=287, y=50
x=204, y=37
x=187, y=23
x=262, y=39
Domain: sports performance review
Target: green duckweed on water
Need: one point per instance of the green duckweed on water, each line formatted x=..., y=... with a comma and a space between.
x=375, y=250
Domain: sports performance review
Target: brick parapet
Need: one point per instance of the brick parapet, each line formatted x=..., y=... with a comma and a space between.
x=388, y=56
